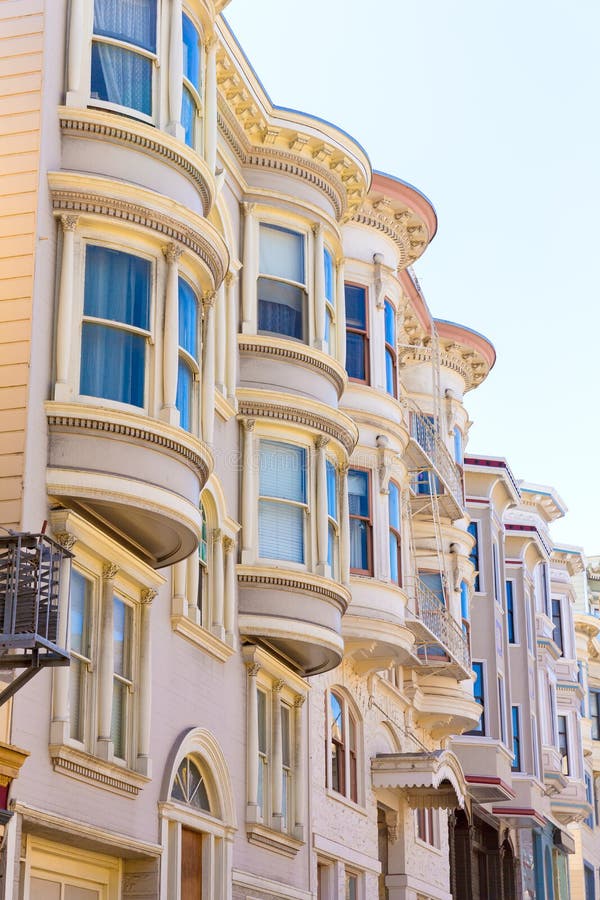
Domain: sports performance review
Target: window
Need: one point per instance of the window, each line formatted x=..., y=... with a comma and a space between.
x=510, y=612
x=282, y=283
x=516, y=733
x=390, y=349
x=342, y=749
x=81, y=590
x=589, y=875
x=202, y=599
x=122, y=676
x=190, y=102
x=464, y=608
x=394, y=519
x=479, y=696
x=263, y=750
x=497, y=595
x=357, y=333
x=116, y=323
x=434, y=582
x=332, y=517
x=594, y=698
x=563, y=745
x=329, y=299
x=282, y=502
x=188, y=355
x=557, y=636
x=425, y=826
x=589, y=796
x=124, y=53
x=458, y=446
x=473, y=529
x=351, y=886
x=359, y=505
x=528, y=621
x=502, y=709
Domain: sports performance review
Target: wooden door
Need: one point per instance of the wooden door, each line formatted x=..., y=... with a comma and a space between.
x=191, y=864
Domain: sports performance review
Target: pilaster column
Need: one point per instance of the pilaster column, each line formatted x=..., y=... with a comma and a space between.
x=192, y=565
x=229, y=611
x=64, y=338
x=249, y=551
x=175, y=69
x=319, y=290
x=249, y=270
x=253, y=811
x=169, y=412
x=217, y=573
x=322, y=518
x=77, y=31
x=208, y=368
x=231, y=331
x=144, y=692
x=106, y=663
x=277, y=758
x=221, y=340
x=210, y=103
x=299, y=768
x=344, y=525
x=60, y=727
x=179, y=576
x=340, y=310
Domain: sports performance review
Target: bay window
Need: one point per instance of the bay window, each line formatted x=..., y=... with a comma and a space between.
x=473, y=529
x=357, y=333
x=359, y=506
x=282, y=283
x=332, y=518
x=282, y=501
x=116, y=325
x=329, y=299
x=122, y=679
x=394, y=519
x=124, y=53
x=190, y=102
x=187, y=372
x=479, y=696
x=390, y=349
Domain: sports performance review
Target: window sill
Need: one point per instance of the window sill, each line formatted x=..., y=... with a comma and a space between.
x=427, y=846
x=270, y=839
x=339, y=798
x=91, y=769
x=202, y=638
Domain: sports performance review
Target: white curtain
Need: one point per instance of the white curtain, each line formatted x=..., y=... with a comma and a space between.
x=118, y=75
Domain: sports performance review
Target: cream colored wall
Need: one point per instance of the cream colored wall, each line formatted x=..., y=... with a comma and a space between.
x=21, y=45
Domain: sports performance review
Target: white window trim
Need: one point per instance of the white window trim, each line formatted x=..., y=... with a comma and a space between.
x=348, y=707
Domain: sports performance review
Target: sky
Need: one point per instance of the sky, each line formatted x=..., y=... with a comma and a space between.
x=490, y=109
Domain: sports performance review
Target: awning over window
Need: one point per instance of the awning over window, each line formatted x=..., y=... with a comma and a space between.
x=432, y=780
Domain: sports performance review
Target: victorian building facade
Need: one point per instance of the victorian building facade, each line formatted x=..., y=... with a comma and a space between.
x=314, y=647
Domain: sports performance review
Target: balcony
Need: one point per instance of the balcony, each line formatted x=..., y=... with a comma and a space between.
x=441, y=645
x=486, y=763
x=296, y=615
x=571, y=804
x=136, y=478
x=375, y=632
x=436, y=477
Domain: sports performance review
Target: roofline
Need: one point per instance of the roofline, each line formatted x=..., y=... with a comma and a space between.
x=411, y=187
x=482, y=344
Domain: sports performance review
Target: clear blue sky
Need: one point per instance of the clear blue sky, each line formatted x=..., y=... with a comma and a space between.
x=491, y=109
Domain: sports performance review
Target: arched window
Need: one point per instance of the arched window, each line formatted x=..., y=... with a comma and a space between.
x=189, y=786
x=342, y=749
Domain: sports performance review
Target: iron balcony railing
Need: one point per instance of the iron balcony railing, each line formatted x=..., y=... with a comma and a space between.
x=435, y=617
x=423, y=431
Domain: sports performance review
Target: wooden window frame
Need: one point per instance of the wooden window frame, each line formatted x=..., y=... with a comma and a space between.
x=346, y=749
x=369, y=521
x=397, y=535
x=364, y=333
x=391, y=350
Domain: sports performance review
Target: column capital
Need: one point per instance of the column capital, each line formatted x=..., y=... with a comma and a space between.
x=65, y=539
x=216, y=536
x=148, y=595
x=321, y=441
x=252, y=668
x=317, y=229
x=299, y=701
x=69, y=223
x=340, y=261
x=172, y=252
x=109, y=571
x=231, y=278
x=228, y=544
x=343, y=468
x=248, y=424
x=208, y=299
x=210, y=41
x=248, y=208
x=278, y=686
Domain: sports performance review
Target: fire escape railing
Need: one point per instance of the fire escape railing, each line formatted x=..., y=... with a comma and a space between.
x=436, y=618
x=423, y=431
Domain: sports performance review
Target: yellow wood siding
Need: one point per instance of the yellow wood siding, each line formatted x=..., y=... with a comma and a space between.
x=21, y=44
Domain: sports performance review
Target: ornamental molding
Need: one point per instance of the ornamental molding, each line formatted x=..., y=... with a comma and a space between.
x=265, y=410
x=135, y=432
x=468, y=364
x=330, y=591
x=120, y=130
x=88, y=768
x=303, y=355
x=71, y=199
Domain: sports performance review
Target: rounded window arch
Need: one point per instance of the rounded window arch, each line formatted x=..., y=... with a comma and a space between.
x=342, y=745
x=189, y=786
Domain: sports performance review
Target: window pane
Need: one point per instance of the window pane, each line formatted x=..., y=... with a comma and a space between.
x=390, y=374
x=390, y=325
x=113, y=364
x=280, y=308
x=117, y=286
x=76, y=698
x=332, y=548
x=188, y=319
x=188, y=117
x=121, y=76
x=355, y=356
x=281, y=253
x=121, y=637
x=433, y=580
x=282, y=471
x=119, y=714
x=458, y=448
x=81, y=597
x=183, y=401
x=191, y=52
x=327, y=335
x=202, y=548
x=335, y=708
x=356, y=306
x=329, y=276
x=359, y=544
x=394, y=558
x=285, y=736
x=394, y=506
x=464, y=600
x=331, y=491
x=358, y=493
x=281, y=531
x=133, y=21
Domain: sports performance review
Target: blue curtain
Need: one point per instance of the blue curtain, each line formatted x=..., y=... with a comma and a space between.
x=188, y=117
x=188, y=319
x=113, y=364
x=191, y=52
x=329, y=271
x=280, y=308
x=355, y=356
x=183, y=402
x=117, y=286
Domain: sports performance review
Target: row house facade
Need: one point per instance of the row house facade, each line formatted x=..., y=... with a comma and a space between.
x=317, y=651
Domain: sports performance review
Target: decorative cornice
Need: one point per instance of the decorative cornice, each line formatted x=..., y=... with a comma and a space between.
x=89, y=422
x=331, y=591
x=297, y=353
x=96, y=771
x=76, y=199
x=300, y=416
x=120, y=130
x=469, y=366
